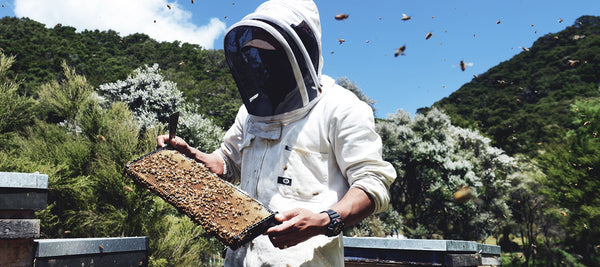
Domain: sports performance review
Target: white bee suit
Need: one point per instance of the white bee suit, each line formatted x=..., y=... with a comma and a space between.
x=304, y=157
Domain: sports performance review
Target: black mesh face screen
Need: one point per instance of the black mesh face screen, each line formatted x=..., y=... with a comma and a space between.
x=310, y=42
x=264, y=72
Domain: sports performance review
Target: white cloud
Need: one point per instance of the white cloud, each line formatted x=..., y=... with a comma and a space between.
x=125, y=17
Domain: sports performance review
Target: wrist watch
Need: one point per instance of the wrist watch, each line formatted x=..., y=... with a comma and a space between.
x=336, y=225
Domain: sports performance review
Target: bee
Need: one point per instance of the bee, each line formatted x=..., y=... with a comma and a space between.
x=498, y=22
x=405, y=17
x=525, y=49
x=463, y=66
x=573, y=63
x=586, y=124
x=429, y=34
x=181, y=63
x=560, y=20
x=341, y=16
x=67, y=232
x=192, y=1
x=169, y=6
x=101, y=138
x=400, y=51
x=341, y=41
x=463, y=194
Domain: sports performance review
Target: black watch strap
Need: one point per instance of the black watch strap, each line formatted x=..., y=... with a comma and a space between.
x=336, y=225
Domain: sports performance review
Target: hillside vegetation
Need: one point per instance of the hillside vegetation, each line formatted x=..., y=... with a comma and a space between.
x=524, y=103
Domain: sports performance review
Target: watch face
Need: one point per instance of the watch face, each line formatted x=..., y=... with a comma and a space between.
x=336, y=225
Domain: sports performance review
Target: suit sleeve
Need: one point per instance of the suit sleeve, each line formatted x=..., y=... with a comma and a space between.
x=358, y=150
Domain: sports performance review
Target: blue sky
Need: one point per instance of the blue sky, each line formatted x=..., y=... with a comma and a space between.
x=481, y=33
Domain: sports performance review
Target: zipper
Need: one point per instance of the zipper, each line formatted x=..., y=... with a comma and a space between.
x=268, y=144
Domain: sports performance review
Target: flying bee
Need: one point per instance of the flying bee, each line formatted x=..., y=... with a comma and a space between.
x=498, y=22
x=463, y=194
x=429, y=34
x=405, y=17
x=463, y=66
x=400, y=51
x=169, y=6
x=181, y=63
x=525, y=49
x=341, y=16
x=341, y=41
x=560, y=20
x=564, y=214
x=573, y=63
x=101, y=138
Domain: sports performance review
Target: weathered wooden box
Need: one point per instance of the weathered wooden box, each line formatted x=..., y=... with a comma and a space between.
x=372, y=251
x=21, y=194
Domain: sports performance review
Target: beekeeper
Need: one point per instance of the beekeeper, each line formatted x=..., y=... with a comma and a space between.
x=302, y=145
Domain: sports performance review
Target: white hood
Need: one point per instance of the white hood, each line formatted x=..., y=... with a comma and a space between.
x=292, y=12
x=294, y=30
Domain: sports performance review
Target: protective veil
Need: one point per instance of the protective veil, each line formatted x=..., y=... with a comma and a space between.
x=274, y=56
x=300, y=140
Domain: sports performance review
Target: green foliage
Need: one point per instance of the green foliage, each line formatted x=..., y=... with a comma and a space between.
x=543, y=104
x=105, y=57
x=179, y=242
x=64, y=100
x=385, y=224
x=151, y=98
x=523, y=103
x=573, y=180
x=89, y=196
x=16, y=111
x=435, y=159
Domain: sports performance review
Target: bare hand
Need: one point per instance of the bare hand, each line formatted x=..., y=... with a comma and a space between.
x=297, y=225
x=212, y=161
x=178, y=143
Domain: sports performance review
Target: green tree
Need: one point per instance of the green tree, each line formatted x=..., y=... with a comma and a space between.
x=64, y=100
x=573, y=170
x=435, y=160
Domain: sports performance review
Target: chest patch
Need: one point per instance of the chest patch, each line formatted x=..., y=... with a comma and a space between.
x=284, y=180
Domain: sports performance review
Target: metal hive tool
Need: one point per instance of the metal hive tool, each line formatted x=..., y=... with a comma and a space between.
x=222, y=209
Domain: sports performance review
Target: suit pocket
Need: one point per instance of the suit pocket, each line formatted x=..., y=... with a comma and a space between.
x=304, y=174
